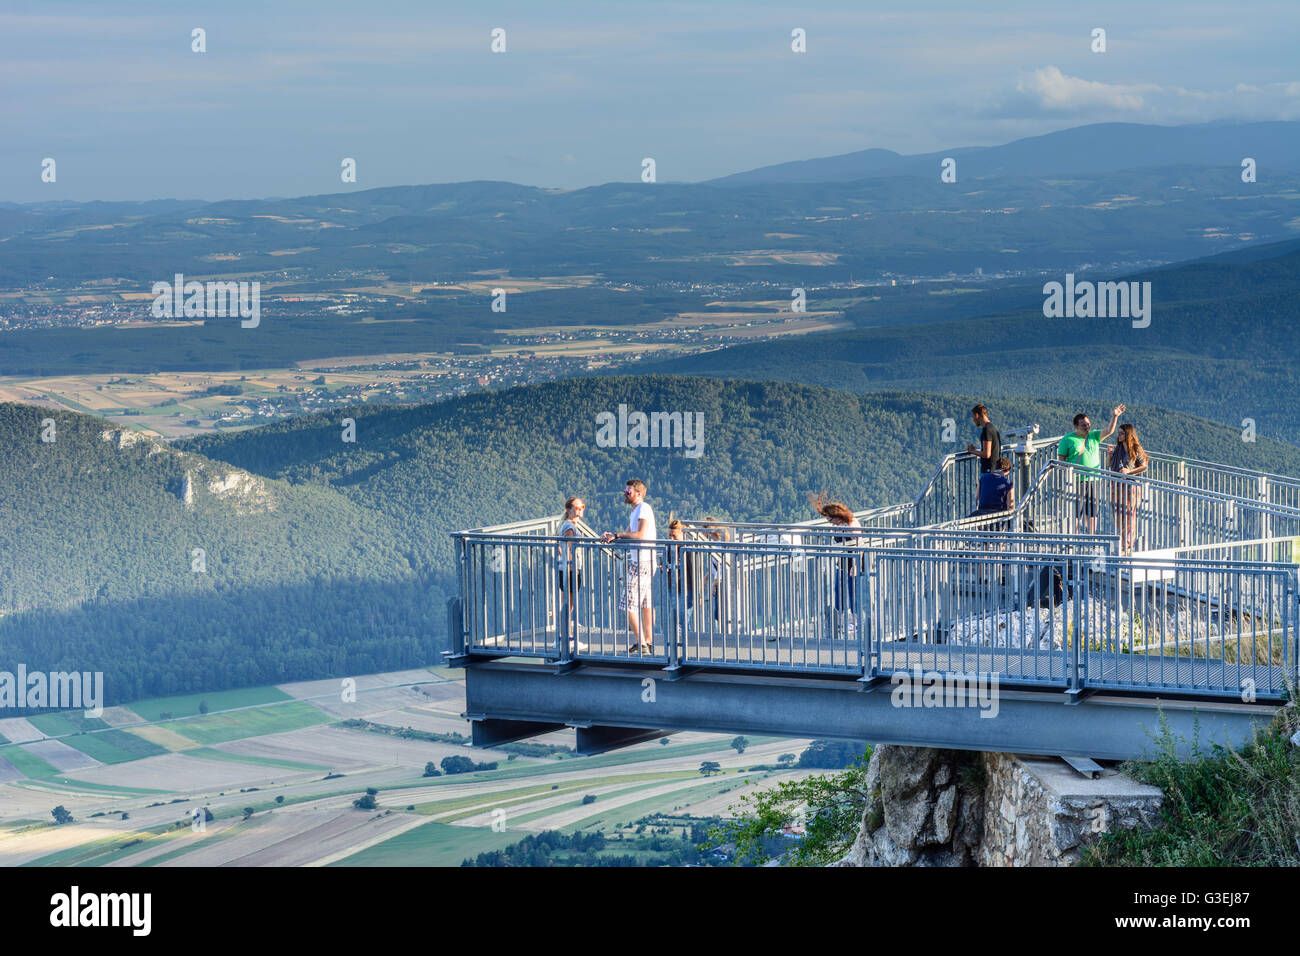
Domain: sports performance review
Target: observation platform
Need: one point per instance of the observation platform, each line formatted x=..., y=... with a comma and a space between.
x=1054, y=628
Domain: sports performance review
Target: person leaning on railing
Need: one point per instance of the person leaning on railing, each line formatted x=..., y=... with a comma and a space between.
x=990, y=449
x=1130, y=459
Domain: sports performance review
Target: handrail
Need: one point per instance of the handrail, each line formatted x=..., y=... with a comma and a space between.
x=1102, y=474
x=1045, y=616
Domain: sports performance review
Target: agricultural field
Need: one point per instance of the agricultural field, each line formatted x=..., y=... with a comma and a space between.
x=279, y=769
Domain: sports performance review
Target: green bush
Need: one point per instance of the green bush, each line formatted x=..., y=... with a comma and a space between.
x=1225, y=808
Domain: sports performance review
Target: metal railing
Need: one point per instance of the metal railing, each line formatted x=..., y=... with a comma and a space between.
x=1228, y=480
x=1148, y=514
x=953, y=490
x=1068, y=614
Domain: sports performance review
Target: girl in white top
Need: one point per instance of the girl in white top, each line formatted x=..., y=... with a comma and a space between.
x=569, y=562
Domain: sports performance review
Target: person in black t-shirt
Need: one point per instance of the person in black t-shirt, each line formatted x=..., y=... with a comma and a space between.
x=990, y=449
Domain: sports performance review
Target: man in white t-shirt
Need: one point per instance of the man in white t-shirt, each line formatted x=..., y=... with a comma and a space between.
x=637, y=598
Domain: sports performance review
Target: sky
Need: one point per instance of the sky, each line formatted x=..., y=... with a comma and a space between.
x=115, y=95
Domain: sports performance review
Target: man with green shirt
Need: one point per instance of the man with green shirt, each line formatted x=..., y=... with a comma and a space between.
x=1083, y=448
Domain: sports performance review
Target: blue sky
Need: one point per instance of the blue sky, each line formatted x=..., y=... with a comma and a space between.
x=412, y=91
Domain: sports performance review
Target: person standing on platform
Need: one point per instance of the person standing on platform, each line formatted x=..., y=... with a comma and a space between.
x=638, y=594
x=1082, y=448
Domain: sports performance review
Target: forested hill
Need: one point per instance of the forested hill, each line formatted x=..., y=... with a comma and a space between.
x=496, y=457
x=329, y=558
x=1223, y=343
x=104, y=566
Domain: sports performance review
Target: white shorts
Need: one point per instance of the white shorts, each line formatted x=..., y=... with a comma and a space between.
x=639, y=587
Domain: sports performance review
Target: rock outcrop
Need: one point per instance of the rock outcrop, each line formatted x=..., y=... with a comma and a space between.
x=932, y=807
x=245, y=492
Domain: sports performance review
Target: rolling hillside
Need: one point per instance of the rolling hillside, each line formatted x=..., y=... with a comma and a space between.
x=1222, y=344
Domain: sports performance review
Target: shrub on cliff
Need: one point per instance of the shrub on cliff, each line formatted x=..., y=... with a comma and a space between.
x=1225, y=808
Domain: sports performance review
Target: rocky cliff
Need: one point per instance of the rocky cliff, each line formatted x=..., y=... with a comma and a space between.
x=934, y=807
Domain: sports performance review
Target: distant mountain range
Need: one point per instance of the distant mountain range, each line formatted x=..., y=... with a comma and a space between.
x=1082, y=151
x=1114, y=196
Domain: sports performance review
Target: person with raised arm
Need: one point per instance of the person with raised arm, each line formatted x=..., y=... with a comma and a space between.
x=1082, y=448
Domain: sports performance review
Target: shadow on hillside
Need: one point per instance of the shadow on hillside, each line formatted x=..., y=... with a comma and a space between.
x=158, y=646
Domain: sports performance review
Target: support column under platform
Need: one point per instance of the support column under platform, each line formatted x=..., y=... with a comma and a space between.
x=492, y=732
x=597, y=739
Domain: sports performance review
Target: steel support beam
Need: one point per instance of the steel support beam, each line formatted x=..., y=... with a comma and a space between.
x=596, y=739
x=491, y=731
x=519, y=695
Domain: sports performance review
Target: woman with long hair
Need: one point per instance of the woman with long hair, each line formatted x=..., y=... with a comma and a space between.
x=846, y=577
x=569, y=562
x=1129, y=459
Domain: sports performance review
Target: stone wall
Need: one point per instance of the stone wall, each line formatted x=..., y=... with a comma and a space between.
x=933, y=807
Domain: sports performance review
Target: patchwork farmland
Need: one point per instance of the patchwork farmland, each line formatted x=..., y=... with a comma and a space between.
x=279, y=769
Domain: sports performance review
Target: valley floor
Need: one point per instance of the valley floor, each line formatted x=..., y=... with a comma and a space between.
x=279, y=770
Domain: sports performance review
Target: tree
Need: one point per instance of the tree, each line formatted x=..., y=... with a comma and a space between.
x=366, y=801
x=831, y=754
x=61, y=815
x=457, y=764
x=280, y=799
x=588, y=798
x=203, y=707
x=739, y=744
x=710, y=767
x=248, y=812
x=786, y=760
x=663, y=741
x=831, y=807
x=431, y=770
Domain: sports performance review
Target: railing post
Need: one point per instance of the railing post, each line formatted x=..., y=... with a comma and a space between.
x=1183, y=507
x=1262, y=493
x=564, y=625
x=1294, y=606
x=866, y=644
x=1079, y=600
x=674, y=578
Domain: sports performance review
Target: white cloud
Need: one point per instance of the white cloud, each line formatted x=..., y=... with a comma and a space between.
x=1049, y=92
x=1055, y=92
